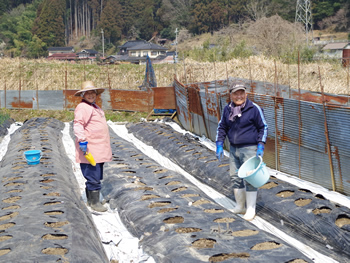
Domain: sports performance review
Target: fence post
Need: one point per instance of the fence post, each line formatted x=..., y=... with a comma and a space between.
x=228, y=86
x=65, y=87
x=327, y=134
x=19, y=86
x=184, y=68
x=109, y=80
x=276, y=126
x=348, y=80
x=250, y=73
x=299, y=114
x=5, y=94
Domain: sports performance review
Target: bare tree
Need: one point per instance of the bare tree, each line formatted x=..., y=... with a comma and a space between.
x=257, y=9
x=275, y=36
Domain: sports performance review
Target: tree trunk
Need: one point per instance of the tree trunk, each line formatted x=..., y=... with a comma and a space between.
x=76, y=18
x=71, y=20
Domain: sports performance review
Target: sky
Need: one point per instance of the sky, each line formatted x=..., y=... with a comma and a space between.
x=120, y=245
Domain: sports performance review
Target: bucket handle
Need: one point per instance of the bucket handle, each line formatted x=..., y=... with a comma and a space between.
x=261, y=161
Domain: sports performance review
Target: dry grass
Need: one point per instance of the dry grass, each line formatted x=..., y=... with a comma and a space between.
x=54, y=75
x=334, y=77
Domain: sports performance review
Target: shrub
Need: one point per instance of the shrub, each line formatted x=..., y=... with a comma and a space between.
x=3, y=117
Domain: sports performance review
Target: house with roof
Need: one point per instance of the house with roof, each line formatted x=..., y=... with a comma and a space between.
x=60, y=50
x=136, y=51
x=67, y=53
x=131, y=43
x=63, y=56
x=337, y=50
x=87, y=54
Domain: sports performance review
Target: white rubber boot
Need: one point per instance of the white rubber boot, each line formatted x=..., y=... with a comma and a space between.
x=251, y=204
x=240, y=201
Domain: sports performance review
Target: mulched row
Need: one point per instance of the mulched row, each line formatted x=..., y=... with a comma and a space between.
x=42, y=215
x=308, y=217
x=177, y=222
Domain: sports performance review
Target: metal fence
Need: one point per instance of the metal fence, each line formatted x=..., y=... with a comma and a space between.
x=307, y=139
x=111, y=99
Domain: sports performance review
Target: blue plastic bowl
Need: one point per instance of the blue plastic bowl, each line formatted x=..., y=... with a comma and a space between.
x=33, y=156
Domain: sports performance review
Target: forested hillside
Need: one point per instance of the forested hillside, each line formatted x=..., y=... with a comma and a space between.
x=29, y=27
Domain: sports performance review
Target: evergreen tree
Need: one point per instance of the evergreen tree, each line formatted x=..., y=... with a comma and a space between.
x=145, y=22
x=127, y=17
x=49, y=25
x=15, y=28
x=210, y=15
x=37, y=48
x=111, y=21
x=201, y=18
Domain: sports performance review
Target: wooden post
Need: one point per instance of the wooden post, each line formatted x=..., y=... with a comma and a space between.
x=327, y=134
x=276, y=126
x=65, y=87
x=299, y=115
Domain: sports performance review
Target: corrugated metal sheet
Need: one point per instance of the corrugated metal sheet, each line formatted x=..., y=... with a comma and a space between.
x=338, y=120
x=128, y=100
x=297, y=142
x=183, y=112
x=131, y=100
x=164, y=98
x=336, y=45
x=267, y=103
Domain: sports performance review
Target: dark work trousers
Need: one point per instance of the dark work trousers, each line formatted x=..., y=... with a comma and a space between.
x=93, y=175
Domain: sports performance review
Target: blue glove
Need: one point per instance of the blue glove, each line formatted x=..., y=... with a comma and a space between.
x=260, y=150
x=219, y=150
x=83, y=147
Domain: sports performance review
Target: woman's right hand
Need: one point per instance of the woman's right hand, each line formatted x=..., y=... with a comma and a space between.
x=83, y=147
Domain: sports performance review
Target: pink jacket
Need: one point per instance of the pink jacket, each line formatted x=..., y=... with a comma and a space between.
x=90, y=125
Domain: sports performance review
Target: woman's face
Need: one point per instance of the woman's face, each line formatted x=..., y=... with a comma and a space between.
x=90, y=96
x=238, y=97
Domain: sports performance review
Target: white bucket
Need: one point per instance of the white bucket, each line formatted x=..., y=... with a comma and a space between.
x=254, y=171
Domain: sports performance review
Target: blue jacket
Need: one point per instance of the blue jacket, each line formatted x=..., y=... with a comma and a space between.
x=247, y=130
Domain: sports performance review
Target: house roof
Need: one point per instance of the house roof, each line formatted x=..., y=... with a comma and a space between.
x=337, y=45
x=132, y=43
x=147, y=46
x=133, y=59
x=60, y=48
x=90, y=51
x=63, y=56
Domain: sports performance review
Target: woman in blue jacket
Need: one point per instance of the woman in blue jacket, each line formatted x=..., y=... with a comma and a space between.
x=244, y=124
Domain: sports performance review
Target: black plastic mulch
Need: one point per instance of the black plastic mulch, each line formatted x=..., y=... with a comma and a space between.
x=310, y=218
x=4, y=126
x=177, y=222
x=42, y=216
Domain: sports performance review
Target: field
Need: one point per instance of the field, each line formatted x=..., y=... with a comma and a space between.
x=22, y=115
x=22, y=74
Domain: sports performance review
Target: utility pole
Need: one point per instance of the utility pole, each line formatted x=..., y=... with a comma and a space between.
x=176, y=31
x=303, y=15
x=103, y=44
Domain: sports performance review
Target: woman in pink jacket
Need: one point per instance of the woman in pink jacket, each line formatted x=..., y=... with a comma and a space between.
x=91, y=136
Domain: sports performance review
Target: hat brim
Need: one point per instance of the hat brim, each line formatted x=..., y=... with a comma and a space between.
x=98, y=90
x=236, y=89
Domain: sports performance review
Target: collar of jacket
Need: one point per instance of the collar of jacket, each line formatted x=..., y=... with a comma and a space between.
x=91, y=104
x=248, y=104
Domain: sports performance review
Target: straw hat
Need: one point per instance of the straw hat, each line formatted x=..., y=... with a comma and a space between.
x=86, y=86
